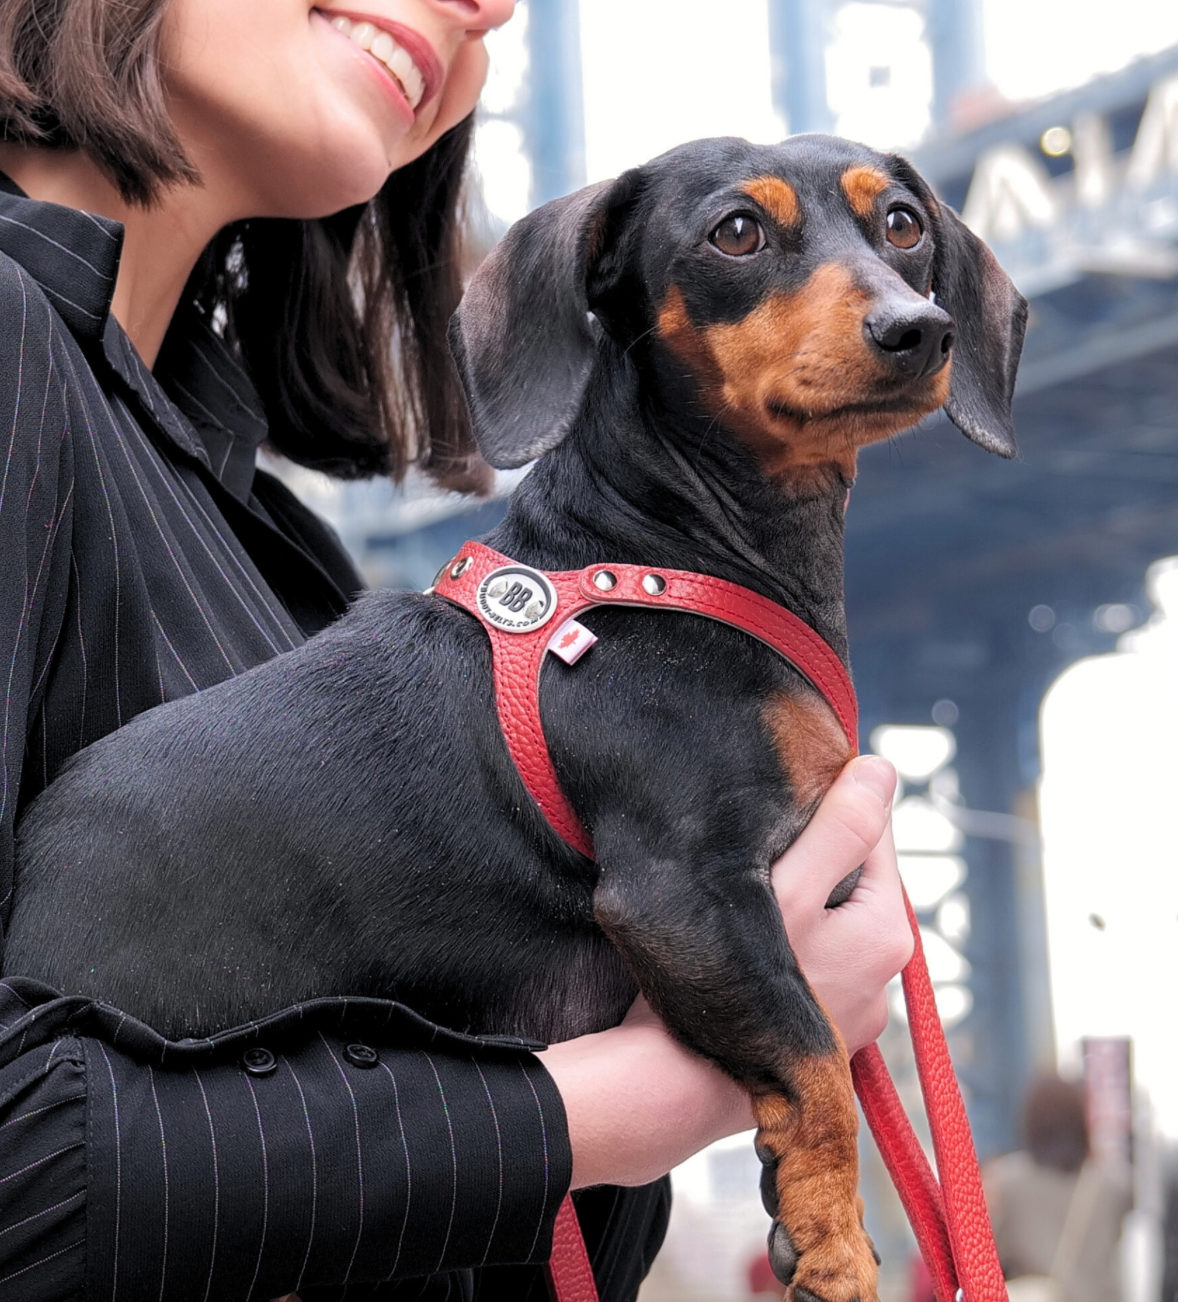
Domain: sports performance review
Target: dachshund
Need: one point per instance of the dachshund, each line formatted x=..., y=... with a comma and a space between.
x=692, y=354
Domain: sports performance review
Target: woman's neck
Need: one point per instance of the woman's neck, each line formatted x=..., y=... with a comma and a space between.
x=161, y=245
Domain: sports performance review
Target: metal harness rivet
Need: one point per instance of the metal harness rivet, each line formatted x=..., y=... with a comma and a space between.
x=604, y=580
x=460, y=566
x=655, y=584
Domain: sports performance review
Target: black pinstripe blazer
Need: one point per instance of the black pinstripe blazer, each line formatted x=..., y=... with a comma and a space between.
x=335, y=1145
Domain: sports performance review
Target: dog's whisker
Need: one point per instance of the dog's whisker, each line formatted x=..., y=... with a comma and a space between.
x=638, y=339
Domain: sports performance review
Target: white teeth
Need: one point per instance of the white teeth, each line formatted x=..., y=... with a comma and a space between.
x=382, y=46
x=405, y=70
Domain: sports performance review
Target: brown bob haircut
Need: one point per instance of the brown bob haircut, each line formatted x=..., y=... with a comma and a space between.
x=341, y=321
x=1055, y=1123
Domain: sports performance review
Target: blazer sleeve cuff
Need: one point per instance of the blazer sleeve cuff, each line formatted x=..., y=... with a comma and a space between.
x=325, y=1161
x=338, y=1141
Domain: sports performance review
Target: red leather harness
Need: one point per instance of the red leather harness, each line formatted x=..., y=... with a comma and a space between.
x=526, y=614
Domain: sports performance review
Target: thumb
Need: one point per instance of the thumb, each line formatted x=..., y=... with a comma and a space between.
x=846, y=827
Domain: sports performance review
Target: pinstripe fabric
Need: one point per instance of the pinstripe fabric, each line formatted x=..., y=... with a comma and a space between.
x=129, y=572
x=141, y=558
x=135, y=1168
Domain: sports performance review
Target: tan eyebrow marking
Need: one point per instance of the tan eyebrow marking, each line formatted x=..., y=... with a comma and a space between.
x=863, y=186
x=777, y=197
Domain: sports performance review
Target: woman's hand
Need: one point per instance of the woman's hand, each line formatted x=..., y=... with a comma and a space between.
x=639, y=1103
x=849, y=953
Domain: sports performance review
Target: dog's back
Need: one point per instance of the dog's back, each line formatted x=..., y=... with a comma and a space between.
x=336, y=821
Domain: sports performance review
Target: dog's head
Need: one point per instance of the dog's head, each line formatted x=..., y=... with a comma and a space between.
x=812, y=296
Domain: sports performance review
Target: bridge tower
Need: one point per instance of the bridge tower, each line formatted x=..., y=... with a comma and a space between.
x=800, y=32
x=553, y=116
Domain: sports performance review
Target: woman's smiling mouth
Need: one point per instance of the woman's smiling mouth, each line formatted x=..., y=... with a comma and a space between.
x=392, y=55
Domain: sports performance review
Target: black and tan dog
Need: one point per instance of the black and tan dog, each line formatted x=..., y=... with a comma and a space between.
x=696, y=352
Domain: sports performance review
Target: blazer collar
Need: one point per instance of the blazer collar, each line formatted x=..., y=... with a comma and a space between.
x=198, y=395
x=72, y=255
x=202, y=377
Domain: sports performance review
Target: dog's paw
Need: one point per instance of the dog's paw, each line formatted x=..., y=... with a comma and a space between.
x=838, y=1270
x=784, y=1256
x=816, y=1276
x=839, y=1263
x=822, y=1258
x=818, y=1247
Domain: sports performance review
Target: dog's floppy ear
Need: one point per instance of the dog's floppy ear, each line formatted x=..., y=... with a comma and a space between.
x=523, y=337
x=991, y=318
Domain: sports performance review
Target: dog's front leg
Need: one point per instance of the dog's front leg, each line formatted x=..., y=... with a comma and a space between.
x=711, y=955
x=810, y=1184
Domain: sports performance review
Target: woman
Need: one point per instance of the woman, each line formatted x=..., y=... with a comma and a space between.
x=215, y=218
x=1057, y=1210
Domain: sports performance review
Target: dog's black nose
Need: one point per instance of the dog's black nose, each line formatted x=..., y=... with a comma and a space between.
x=915, y=338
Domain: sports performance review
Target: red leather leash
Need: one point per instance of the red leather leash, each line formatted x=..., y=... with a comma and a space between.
x=527, y=614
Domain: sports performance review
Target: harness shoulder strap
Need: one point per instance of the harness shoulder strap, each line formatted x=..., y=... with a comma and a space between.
x=519, y=644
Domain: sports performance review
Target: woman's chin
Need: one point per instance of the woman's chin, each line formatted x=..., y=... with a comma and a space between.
x=318, y=183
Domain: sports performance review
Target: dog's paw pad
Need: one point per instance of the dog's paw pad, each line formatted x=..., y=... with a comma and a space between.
x=783, y=1256
x=769, y=1198
x=838, y=1266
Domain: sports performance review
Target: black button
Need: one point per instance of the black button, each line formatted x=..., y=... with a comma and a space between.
x=360, y=1055
x=259, y=1062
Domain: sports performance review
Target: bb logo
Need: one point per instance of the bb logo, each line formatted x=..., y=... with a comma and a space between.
x=516, y=599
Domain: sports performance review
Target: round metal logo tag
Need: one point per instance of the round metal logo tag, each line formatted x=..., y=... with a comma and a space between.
x=516, y=599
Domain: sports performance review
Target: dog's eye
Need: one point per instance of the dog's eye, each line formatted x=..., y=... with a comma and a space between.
x=738, y=236
x=904, y=228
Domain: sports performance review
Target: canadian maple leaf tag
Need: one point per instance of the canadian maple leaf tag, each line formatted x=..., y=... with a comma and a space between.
x=570, y=641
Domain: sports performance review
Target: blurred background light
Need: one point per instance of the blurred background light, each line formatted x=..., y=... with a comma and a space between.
x=919, y=825
x=879, y=75
x=504, y=171
x=928, y=878
x=954, y=1004
x=945, y=964
x=1056, y=141
x=656, y=76
x=501, y=162
x=1034, y=47
x=917, y=752
x=1110, y=865
x=953, y=918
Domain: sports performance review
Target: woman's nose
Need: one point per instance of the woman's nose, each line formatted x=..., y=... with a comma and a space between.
x=479, y=15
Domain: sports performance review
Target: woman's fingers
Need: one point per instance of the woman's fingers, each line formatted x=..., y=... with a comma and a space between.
x=875, y=919
x=849, y=953
x=845, y=829
x=641, y=1014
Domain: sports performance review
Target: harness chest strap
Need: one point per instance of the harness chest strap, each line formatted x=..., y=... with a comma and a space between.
x=518, y=652
x=518, y=607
